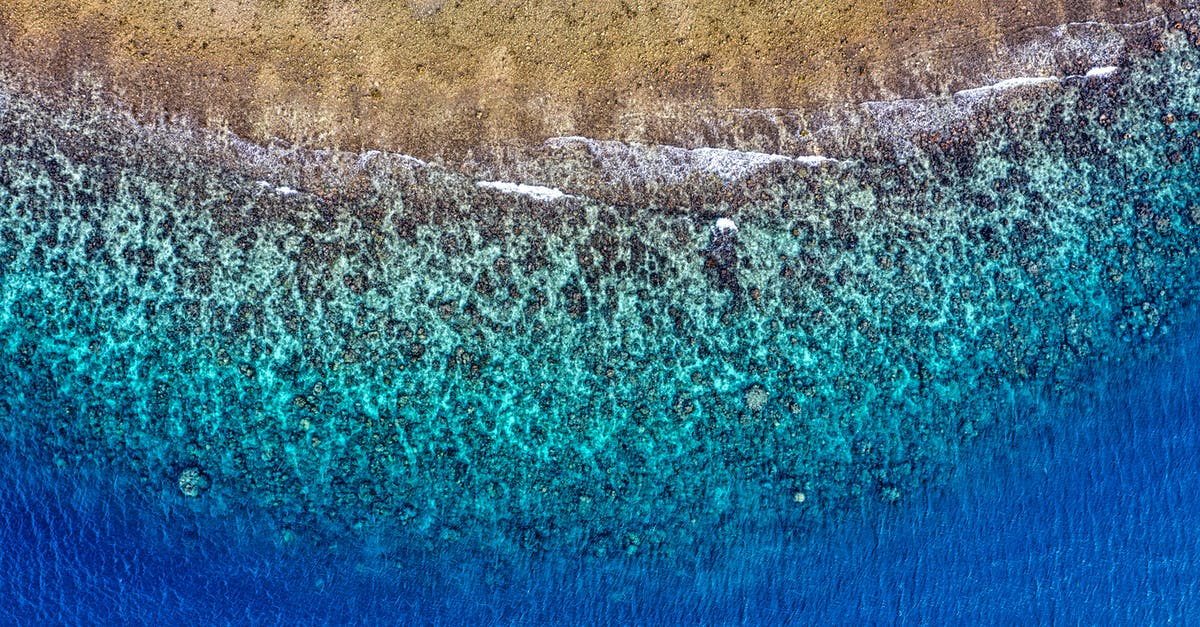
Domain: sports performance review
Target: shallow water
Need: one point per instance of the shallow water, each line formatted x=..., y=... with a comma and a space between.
x=361, y=385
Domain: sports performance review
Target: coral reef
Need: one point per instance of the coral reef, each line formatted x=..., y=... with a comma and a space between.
x=365, y=341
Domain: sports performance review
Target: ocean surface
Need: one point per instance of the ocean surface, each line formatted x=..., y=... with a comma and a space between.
x=944, y=375
x=1090, y=520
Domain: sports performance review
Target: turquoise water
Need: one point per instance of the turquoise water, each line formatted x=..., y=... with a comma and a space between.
x=365, y=353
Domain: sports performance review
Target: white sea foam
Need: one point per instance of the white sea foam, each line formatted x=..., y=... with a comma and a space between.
x=674, y=164
x=533, y=191
x=1101, y=72
x=1006, y=84
x=729, y=164
x=813, y=161
x=371, y=155
x=282, y=190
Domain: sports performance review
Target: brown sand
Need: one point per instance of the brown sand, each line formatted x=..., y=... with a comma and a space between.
x=439, y=77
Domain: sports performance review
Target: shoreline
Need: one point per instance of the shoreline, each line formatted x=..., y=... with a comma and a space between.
x=730, y=160
x=331, y=84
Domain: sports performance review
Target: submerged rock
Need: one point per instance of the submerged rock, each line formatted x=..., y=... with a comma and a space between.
x=193, y=482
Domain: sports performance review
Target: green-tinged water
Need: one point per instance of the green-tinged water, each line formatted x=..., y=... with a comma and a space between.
x=393, y=350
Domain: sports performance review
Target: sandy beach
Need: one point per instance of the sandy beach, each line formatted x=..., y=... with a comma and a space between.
x=439, y=79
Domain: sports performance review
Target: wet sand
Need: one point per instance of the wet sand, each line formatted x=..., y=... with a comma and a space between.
x=440, y=79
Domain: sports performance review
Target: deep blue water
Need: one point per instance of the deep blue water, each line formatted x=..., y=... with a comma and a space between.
x=1090, y=519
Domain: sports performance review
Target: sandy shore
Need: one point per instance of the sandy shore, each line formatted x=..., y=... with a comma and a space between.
x=438, y=79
